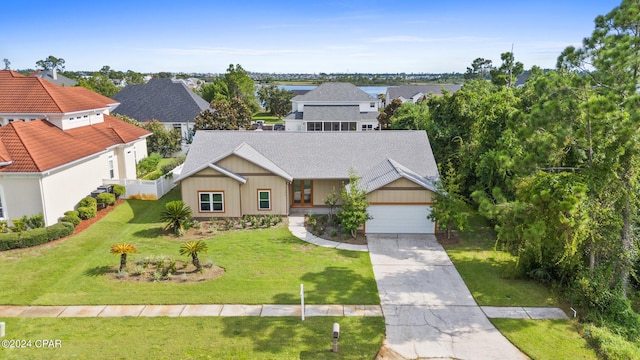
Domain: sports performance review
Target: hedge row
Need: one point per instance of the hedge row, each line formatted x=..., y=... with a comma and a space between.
x=16, y=240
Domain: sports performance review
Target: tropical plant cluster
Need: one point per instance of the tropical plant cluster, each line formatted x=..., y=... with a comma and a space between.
x=552, y=165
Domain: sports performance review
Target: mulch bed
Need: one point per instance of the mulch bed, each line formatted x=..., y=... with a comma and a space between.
x=444, y=240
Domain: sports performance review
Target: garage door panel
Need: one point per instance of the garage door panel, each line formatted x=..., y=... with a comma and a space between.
x=404, y=219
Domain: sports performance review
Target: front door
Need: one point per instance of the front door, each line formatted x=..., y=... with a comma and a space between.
x=302, y=193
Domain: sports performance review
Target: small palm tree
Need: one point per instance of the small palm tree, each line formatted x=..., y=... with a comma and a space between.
x=177, y=215
x=123, y=250
x=192, y=248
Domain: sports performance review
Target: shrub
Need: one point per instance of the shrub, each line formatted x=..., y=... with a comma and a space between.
x=19, y=225
x=148, y=164
x=60, y=230
x=4, y=226
x=35, y=221
x=71, y=213
x=88, y=202
x=106, y=199
x=177, y=217
x=118, y=190
x=166, y=168
x=86, y=212
x=73, y=219
x=34, y=237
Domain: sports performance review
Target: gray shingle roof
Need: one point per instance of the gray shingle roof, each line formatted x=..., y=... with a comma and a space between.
x=408, y=91
x=162, y=99
x=335, y=91
x=60, y=79
x=389, y=171
x=321, y=155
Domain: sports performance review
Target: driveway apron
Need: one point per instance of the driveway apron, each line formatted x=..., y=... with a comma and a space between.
x=428, y=310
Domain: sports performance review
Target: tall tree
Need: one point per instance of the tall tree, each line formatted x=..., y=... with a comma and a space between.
x=507, y=73
x=236, y=83
x=275, y=99
x=162, y=141
x=386, y=116
x=100, y=84
x=7, y=64
x=224, y=116
x=611, y=58
x=354, y=204
x=50, y=63
x=479, y=69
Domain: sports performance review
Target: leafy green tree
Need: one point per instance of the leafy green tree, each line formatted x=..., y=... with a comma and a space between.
x=507, y=73
x=354, y=204
x=50, y=63
x=106, y=71
x=192, y=248
x=133, y=77
x=275, y=99
x=411, y=116
x=480, y=69
x=385, y=117
x=100, y=84
x=225, y=116
x=177, y=216
x=123, y=250
x=235, y=83
x=162, y=141
x=7, y=64
x=450, y=208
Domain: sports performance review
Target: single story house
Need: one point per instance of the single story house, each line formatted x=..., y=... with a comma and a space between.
x=237, y=173
x=57, y=144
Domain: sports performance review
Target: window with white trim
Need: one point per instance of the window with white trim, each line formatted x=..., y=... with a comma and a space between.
x=211, y=201
x=264, y=199
x=112, y=172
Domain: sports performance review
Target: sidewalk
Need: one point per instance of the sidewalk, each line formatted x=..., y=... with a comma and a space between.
x=188, y=310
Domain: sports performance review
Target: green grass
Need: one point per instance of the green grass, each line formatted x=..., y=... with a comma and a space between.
x=269, y=119
x=546, y=339
x=263, y=266
x=158, y=170
x=485, y=270
x=195, y=338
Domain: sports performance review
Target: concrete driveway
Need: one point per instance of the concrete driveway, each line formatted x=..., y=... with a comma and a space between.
x=428, y=310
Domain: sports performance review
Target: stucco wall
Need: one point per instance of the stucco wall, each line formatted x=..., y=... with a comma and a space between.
x=21, y=196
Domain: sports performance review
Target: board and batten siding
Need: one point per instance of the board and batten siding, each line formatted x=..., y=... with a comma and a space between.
x=401, y=191
x=209, y=180
x=322, y=189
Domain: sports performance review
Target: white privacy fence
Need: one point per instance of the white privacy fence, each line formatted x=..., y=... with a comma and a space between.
x=147, y=189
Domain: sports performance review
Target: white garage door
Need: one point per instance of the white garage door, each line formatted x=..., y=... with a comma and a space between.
x=403, y=219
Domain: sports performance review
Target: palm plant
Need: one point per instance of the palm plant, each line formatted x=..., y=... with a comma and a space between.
x=177, y=215
x=123, y=250
x=192, y=248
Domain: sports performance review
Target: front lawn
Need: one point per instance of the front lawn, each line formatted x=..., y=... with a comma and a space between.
x=195, y=338
x=263, y=266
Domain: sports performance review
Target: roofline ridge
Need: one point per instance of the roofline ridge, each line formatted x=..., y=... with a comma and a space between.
x=45, y=85
x=24, y=145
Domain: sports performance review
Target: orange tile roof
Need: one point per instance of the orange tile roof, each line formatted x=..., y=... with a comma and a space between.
x=37, y=146
x=33, y=95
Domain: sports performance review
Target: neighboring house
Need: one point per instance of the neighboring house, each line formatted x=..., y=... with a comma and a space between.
x=57, y=144
x=237, y=173
x=170, y=102
x=333, y=106
x=54, y=77
x=415, y=93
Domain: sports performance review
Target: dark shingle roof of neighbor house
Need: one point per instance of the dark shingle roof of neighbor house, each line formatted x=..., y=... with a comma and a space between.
x=60, y=79
x=165, y=100
x=311, y=155
x=335, y=91
x=332, y=112
x=408, y=91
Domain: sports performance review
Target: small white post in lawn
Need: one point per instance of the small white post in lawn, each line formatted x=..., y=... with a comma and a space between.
x=2, y=329
x=302, y=300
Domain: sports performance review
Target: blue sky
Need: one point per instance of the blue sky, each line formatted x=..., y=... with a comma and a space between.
x=293, y=36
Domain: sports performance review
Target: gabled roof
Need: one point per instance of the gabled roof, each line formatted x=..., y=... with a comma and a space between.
x=389, y=171
x=38, y=145
x=162, y=99
x=32, y=95
x=409, y=91
x=311, y=155
x=335, y=91
x=59, y=79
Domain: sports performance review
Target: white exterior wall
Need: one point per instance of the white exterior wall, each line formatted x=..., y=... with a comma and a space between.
x=127, y=158
x=20, y=195
x=78, y=119
x=63, y=189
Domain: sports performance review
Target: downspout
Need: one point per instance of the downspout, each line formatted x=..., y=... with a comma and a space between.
x=240, y=197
